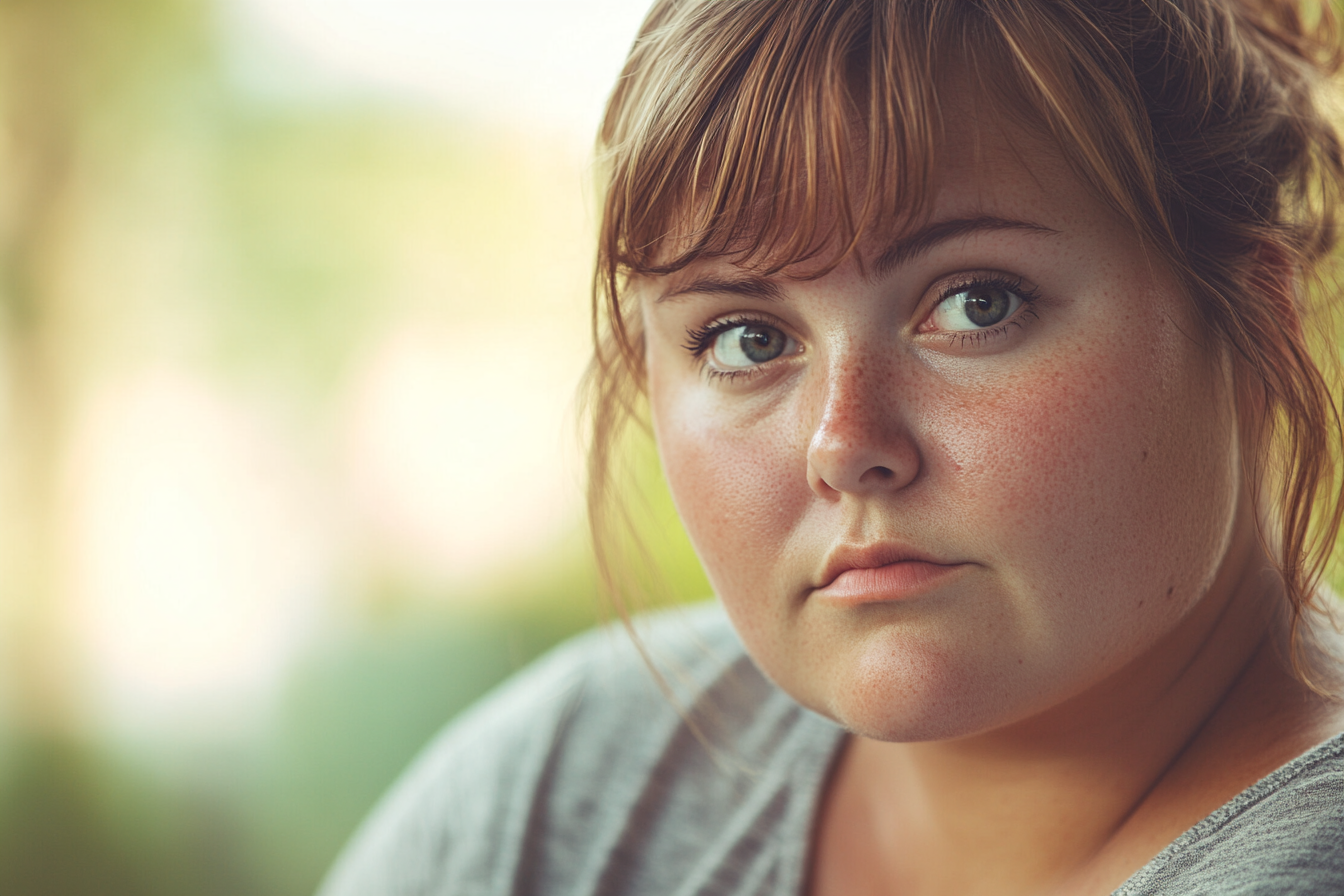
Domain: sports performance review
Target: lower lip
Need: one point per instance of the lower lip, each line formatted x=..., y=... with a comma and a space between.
x=885, y=584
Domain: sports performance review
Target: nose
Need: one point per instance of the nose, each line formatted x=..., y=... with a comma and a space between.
x=861, y=444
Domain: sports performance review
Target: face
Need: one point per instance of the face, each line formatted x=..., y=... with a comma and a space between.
x=965, y=484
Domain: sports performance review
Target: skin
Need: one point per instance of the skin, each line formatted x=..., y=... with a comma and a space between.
x=1100, y=668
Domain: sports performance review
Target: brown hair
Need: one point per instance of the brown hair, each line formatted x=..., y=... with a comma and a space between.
x=781, y=131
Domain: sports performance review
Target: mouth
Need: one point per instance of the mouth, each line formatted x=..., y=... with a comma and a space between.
x=881, y=573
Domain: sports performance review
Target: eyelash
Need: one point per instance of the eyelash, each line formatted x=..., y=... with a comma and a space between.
x=1015, y=285
x=699, y=340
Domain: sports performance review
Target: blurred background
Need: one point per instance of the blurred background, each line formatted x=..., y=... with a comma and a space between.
x=293, y=306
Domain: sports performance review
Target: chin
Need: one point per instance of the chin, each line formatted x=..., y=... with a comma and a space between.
x=925, y=694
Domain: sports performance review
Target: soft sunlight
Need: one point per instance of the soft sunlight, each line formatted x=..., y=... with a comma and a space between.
x=458, y=446
x=198, y=548
x=527, y=61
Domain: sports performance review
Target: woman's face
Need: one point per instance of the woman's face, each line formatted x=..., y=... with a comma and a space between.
x=961, y=488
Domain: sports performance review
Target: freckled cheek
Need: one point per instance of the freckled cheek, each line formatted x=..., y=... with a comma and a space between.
x=734, y=476
x=1102, y=479
x=1034, y=453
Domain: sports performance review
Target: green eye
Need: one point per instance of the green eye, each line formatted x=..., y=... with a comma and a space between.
x=987, y=307
x=975, y=308
x=749, y=345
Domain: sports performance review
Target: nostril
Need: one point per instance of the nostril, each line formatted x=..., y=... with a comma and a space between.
x=860, y=457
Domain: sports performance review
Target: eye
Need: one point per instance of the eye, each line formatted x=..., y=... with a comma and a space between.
x=975, y=307
x=749, y=345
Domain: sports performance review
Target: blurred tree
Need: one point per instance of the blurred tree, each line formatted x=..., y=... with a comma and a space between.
x=68, y=69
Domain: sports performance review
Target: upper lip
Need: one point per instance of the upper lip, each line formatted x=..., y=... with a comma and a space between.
x=871, y=556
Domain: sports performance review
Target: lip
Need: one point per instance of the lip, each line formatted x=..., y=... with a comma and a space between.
x=881, y=573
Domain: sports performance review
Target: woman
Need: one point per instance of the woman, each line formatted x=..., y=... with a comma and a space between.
x=977, y=344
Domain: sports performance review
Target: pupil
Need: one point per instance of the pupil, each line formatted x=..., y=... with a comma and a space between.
x=761, y=344
x=984, y=308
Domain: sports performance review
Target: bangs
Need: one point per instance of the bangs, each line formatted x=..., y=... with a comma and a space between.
x=779, y=133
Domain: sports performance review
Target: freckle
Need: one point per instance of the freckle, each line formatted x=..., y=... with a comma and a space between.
x=1145, y=454
x=1170, y=590
x=1140, y=603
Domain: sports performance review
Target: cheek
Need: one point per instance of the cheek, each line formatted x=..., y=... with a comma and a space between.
x=734, y=476
x=1107, y=489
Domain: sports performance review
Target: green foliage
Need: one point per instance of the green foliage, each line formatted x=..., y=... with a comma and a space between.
x=77, y=821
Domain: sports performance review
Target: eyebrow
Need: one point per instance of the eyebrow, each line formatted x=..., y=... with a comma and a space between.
x=747, y=285
x=906, y=248
x=897, y=253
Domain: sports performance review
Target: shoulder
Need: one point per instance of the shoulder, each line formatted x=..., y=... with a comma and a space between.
x=578, y=764
x=1282, y=836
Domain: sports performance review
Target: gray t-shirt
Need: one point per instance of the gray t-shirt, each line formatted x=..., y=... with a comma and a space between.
x=582, y=776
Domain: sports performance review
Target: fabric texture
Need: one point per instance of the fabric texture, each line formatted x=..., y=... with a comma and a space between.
x=583, y=776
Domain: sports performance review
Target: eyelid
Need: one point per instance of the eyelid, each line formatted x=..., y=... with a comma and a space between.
x=959, y=282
